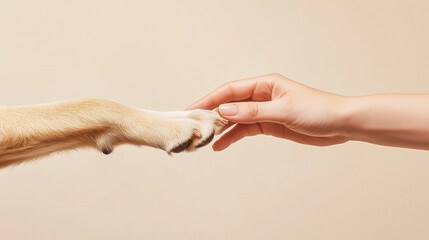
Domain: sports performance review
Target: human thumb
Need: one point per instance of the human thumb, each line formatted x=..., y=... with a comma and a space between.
x=251, y=112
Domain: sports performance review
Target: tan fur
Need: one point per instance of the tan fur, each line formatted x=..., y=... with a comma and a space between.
x=30, y=132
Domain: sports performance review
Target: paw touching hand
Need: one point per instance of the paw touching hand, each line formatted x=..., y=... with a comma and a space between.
x=195, y=129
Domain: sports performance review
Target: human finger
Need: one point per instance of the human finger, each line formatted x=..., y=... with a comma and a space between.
x=252, y=112
x=238, y=132
x=235, y=91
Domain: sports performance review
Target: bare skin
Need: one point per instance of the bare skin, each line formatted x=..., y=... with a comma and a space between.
x=275, y=105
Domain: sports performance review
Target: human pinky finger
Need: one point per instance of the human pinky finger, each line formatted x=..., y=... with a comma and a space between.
x=238, y=132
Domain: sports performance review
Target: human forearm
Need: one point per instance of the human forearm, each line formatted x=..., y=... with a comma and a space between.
x=275, y=105
x=400, y=120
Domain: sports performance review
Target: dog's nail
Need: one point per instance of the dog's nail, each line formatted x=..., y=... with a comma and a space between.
x=206, y=141
x=182, y=146
x=197, y=133
x=221, y=122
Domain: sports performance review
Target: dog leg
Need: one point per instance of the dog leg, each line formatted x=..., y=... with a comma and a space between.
x=30, y=132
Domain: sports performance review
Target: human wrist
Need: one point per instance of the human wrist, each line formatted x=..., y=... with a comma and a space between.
x=344, y=112
x=353, y=118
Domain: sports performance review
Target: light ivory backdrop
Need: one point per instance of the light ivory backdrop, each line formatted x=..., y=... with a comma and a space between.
x=164, y=55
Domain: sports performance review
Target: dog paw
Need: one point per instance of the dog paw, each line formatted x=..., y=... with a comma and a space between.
x=194, y=129
x=172, y=132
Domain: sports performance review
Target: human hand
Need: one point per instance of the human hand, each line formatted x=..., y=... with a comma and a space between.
x=275, y=105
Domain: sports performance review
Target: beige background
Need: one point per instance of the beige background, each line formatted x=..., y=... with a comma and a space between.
x=164, y=55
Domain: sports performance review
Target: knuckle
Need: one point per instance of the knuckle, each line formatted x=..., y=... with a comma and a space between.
x=227, y=89
x=253, y=109
x=276, y=75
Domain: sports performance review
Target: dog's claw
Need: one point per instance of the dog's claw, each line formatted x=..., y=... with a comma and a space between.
x=204, y=124
x=183, y=146
x=206, y=141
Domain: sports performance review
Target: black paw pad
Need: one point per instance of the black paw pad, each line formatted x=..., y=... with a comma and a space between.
x=206, y=141
x=182, y=147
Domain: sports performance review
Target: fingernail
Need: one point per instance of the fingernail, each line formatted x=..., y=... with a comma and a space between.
x=228, y=109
